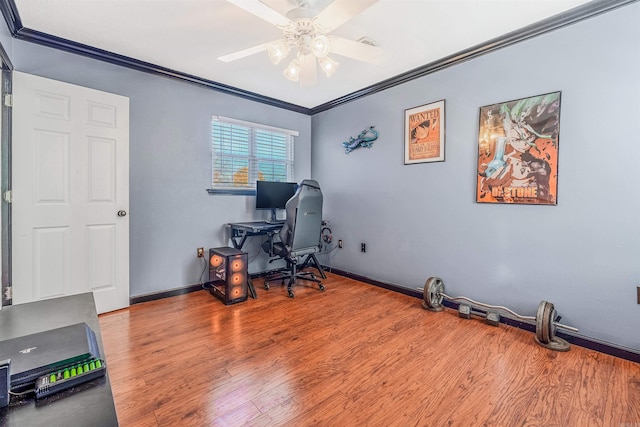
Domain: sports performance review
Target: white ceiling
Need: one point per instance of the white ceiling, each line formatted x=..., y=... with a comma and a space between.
x=188, y=35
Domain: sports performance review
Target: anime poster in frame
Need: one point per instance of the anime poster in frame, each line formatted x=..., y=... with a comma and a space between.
x=518, y=151
x=424, y=133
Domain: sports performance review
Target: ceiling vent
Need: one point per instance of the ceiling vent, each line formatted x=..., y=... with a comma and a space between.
x=367, y=40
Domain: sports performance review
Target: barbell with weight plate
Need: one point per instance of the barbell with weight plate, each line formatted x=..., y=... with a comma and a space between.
x=433, y=295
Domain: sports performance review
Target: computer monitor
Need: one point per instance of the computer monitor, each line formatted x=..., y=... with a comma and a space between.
x=274, y=195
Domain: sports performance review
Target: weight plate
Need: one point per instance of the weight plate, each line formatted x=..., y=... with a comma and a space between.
x=464, y=311
x=552, y=326
x=558, y=344
x=545, y=329
x=539, y=316
x=547, y=323
x=432, y=294
x=492, y=318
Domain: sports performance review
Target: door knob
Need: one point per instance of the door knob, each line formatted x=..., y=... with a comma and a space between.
x=122, y=213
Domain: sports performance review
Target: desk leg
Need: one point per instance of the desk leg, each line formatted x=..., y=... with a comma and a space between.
x=252, y=289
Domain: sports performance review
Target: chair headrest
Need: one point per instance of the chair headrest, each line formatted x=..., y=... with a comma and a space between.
x=310, y=183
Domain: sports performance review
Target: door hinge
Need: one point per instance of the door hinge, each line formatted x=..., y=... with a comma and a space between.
x=8, y=100
x=7, y=196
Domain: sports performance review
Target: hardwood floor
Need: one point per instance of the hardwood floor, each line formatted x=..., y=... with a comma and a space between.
x=352, y=355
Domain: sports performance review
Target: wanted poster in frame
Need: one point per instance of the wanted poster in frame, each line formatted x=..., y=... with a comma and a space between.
x=424, y=133
x=518, y=151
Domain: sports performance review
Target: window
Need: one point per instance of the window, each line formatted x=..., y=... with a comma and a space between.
x=244, y=152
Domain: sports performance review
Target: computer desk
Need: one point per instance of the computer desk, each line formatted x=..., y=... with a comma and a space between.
x=240, y=231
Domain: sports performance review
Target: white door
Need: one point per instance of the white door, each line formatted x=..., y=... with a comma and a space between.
x=70, y=183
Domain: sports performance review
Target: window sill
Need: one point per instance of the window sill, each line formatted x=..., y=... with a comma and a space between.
x=231, y=192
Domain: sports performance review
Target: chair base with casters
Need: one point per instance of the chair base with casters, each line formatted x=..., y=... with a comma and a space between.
x=292, y=274
x=312, y=261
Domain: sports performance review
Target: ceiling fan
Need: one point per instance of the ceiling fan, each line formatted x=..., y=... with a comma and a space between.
x=305, y=26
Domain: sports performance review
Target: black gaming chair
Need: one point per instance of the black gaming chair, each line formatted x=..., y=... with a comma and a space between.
x=299, y=236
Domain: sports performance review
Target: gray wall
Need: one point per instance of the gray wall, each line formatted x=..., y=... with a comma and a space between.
x=6, y=40
x=419, y=220
x=171, y=214
x=422, y=220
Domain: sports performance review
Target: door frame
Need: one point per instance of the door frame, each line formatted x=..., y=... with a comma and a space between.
x=5, y=179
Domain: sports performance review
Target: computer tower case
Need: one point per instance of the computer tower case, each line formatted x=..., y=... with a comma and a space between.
x=228, y=274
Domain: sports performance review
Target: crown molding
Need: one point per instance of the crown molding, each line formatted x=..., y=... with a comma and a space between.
x=55, y=42
x=12, y=18
x=587, y=10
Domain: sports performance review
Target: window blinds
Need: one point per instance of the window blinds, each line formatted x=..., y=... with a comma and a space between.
x=244, y=152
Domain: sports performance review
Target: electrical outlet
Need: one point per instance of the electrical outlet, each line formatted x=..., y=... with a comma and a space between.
x=340, y=243
x=200, y=252
x=363, y=247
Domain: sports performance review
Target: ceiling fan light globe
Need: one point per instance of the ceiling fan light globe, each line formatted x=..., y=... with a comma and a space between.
x=320, y=46
x=292, y=72
x=328, y=65
x=278, y=51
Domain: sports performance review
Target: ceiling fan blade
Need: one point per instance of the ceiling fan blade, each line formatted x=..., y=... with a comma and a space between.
x=340, y=11
x=243, y=53
x=262, y=11
x=309, y=71
x=356, y=50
